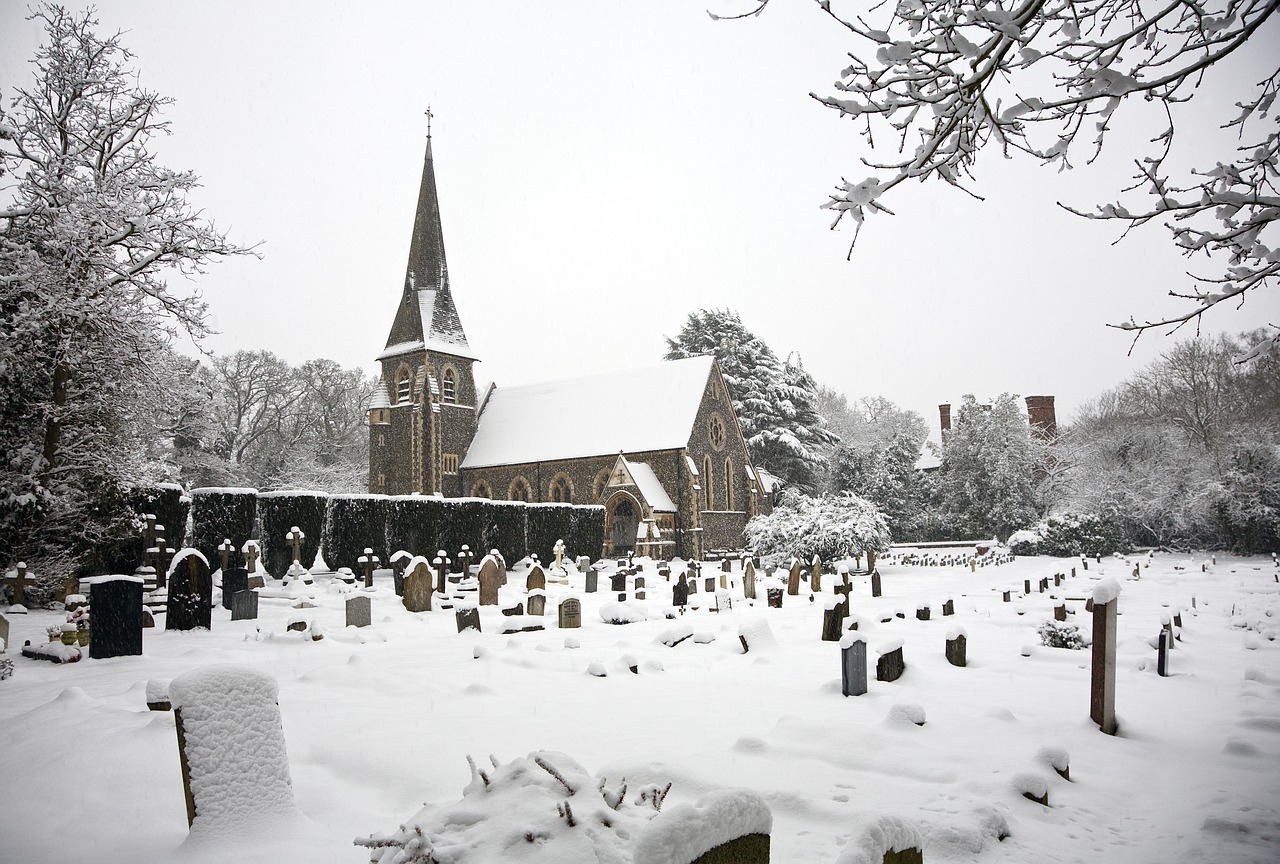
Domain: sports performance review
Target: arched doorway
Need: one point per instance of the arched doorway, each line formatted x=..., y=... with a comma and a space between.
x=623, y=522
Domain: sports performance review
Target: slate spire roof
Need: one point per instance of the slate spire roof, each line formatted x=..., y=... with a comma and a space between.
x=427, y=317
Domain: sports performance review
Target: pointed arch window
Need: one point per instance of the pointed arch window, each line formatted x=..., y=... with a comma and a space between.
x=519, y=490
x=602, y=480
x=562, y=489
x=404, y=385
x=728, y=484
x=481, y=490
x=449, y=385
x=707, y=482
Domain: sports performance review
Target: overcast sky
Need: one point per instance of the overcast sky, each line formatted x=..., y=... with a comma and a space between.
x=606, y=168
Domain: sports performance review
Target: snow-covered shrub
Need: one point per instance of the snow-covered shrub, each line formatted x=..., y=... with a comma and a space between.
x=278, y=514
x=1075, y=534
x=170, y=506
x=1025, y=542
x=353, y=523
x=622, y=612
x=219, y=514
x=1056, y=634
x=831, y=527
x=413, y=524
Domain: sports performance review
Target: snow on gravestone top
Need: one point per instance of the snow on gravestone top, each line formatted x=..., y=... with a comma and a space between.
x=956, y=633
x=848, y=639
x=1106, y=591
x=182, y=555
x=874, y=835
x=685, y=832
x=758, y=636
x=234, y=746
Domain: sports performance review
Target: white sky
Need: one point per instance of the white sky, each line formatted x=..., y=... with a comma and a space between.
x=606, y=168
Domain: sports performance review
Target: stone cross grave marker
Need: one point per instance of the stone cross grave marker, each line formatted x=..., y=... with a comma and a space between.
x=359, y=611
x=244, y=605
x=793, y=578
x=570, y=613
x=117, y=617
x=749, y=580
x=1102, y=691
x=467, y=618
x=489, y=583
x=853, y=666
x=1162, y=654
x=190, y=594
x=815, y=574
x=233, y=579
x=957, y=649
x=225, y=548
x=294, y=538
x=251, y=556
x=875, y=583
x=558, y=549
x=368, y=561
x=680, y=592
x=417, y=588
x=18, y=584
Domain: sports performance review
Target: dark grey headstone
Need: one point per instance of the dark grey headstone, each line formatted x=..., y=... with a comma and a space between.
x=537, y=604
x=117, y=617
x=1102, y=680
x=467, y=619
x=710, y=584
x=233, y=579
x=948, y=608
x=923, y=613
x=618, y=582
x=890, y=666
x=190, y=595
x=680, y=592
x=593, y=581
x=833, y=623
x=957, y=650
x=853, y=669
x=1162, y=654
x=359, y=611
x=875, y=583
x=244, y=605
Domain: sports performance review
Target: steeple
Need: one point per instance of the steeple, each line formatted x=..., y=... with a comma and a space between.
x=426, y=318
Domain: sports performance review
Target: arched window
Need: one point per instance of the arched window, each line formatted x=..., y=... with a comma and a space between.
x=404, y=384
x=481, y=489
x=602, y=479
x=707, y=482
x=728, y=484
x=519, y=490
x=449, y=385
x=562, y=489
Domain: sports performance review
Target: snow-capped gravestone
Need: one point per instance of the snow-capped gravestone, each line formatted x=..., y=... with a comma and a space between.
x=891, y=665
x=680, y=592
x=117, y=616
x=1162, y=654
x=1102, y=697
x=359, y=611
x=793, y=578
x=235, y=770
x=832, y=618
x=749, y=581
x=639, y=586
x=537, y=602
x=244, y=605
x=853, y=665
x=881, y=839
x=488, y=582
x=18, y=582
x=727, y=826
x=190, y=592
x=233, y=579
x=815, y=574
x=467, y=618
x=418, y=585
x=570, y=613
x=957, y=647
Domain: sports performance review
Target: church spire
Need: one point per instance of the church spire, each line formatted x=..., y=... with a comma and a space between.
x=427, y=267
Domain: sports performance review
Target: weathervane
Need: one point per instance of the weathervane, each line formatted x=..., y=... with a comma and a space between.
x=429, y=116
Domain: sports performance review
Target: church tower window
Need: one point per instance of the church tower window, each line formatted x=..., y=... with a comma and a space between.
x=449, y=385
x=404, y=384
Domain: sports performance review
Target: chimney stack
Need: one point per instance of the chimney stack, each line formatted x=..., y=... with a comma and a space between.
x=1042, y=417
x=944, y=417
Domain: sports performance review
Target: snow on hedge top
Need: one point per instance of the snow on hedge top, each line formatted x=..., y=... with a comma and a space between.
x=294, y=493
x=874, y=835
x=224, y=490
x=234, y=746
x=98, y=580
x=687, y=831
x=527, y=424
x=1105, y=591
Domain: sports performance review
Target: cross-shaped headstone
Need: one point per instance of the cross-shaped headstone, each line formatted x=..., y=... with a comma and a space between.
x=368, y=560
x=294, y=538
x=19, y=583
x=251, y=555
x=149, y=532
x=559, y=550
x=225, y=548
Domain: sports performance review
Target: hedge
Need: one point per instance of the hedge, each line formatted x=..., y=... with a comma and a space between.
x=581, y=528
x=507, y=530
x=168, y=503
x=219, y=514
x=353, y=523
x=423, y=525
x=278, y=513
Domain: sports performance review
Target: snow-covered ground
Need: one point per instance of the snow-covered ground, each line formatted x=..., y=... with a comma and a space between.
x=379, y=721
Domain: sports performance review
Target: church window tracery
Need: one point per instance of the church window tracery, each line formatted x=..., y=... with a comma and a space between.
x=481, y=489
x=562, y=489
x=519, y=490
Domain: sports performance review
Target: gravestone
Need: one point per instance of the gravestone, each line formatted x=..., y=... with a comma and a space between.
x=244, y=605
x=233, y=580
x=693, y=585
x=190, y=594
x=1026, y=586
x=815, y=574
x=467, y=619
x=1102, y=695
x=367, y=562
x=18, y=584
x=359, y=611
x=948, y=608
x=680, y=592
x=639, y=586
x=536, y=580
x=710, y=584
x=922, y=613
x=1005, y=596
x=618, y=582
x=957, y=648
x=489, y=583
x=418, y=588
x=875, y=583
x=749, y=581
x=793, y=578
x=890, y=666
x=853, y=666
x=537, y=602
x=570, y=616
x=1057, y=580
x=117, y=617
x=774, y=597
x=1060, y=612
x=225, y=548
x=4, y=634
x=251, y=555
x=1162, y=654
x=833, y=620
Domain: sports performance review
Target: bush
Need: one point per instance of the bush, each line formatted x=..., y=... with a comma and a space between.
x=168, y=503
x=1056, y=634
x=219, y=514
x=1074, y=535
x=581, y=527
x=507, y=530
x=832, y=527
x=353, y=523
x=278, y=513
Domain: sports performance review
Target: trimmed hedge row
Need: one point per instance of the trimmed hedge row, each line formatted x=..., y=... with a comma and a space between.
x=219, y=514
x=424, y=525
x=353, y=523
x=169, y=504
x=580, y=526
x=280, y=512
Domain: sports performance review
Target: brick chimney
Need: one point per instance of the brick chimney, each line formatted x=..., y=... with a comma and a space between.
x=944, y=418
x=1042, y=417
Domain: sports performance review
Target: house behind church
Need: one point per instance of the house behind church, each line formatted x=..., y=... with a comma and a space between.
x=659, y=447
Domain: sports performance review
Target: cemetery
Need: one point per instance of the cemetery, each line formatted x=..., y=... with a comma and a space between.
x=582, y=709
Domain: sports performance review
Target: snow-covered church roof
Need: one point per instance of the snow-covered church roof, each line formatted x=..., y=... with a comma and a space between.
x=631, y=411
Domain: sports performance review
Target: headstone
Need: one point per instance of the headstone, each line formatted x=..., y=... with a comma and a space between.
x=359, y=611
x=593, y=581
x=18, y=584
x=890, y=666
x=509, y=611
x=1026, y=586
x=244, y=605
x=418, y=588
x=793, y=578
x=1060, y=612
x=618, y=582
x=251, y=556
x=853, y=666
x=749, y=580
x=257, y=580
x=467, y=619
x=833, y=621
x=537, y=602
x=815, y=574
x=875, y=583
x=570, y=613
x=710, y=584
x=489, y=583
x=639, y=586
x=233, y=579
x=1057, y=580
x=536, y=580
x=1102, y=701
x=225, y=548
x=1005, y=596
x=4, y=634
x=1162, y=654
x=190, y=594
x=775, y=597
x=957, y=650
x=368, y=561
x=117, y=617
x=948, y=607
x=693, y=585
x=680, y=592
x=922, y=613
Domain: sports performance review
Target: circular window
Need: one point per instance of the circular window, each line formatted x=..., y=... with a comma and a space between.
x=715, y=427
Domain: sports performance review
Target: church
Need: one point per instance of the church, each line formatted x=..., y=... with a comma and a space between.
x=673, y=475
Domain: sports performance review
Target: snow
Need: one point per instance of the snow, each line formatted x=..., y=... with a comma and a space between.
x=874, y=835
x=378, y=724
x=1105, y=591
x=687, y=831
x=224, y=490
x=526, y=424
x=650, y=487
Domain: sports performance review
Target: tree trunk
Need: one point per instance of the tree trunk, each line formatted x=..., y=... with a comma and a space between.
x=53, y=425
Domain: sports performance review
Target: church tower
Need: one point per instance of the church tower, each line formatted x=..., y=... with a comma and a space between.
x=422, y=416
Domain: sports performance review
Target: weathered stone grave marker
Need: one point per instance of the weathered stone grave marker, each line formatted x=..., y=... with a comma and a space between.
x=891, y=665
x=853, y=665
x=488, y=582
x=833, y=618
x=793, y=578
x=957, y=647
x=1060, y=612
x=190, y=594
x=815, y=574
x=1162, y=654
x=359, y=611
x=948, y=607
x=922, y=613
x=875, y=583
x=244, y=605
x=618, y=583
x=117, y=616
x=418, y=587
x=368, y=561
x=537, y=602
x=225, y=548
x=570, y=613
x=233, y=579
x=680, y=592
x=18, y=584
x=749, y=580
x=639, y=587
x=467, y=618
x=1102, y=701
